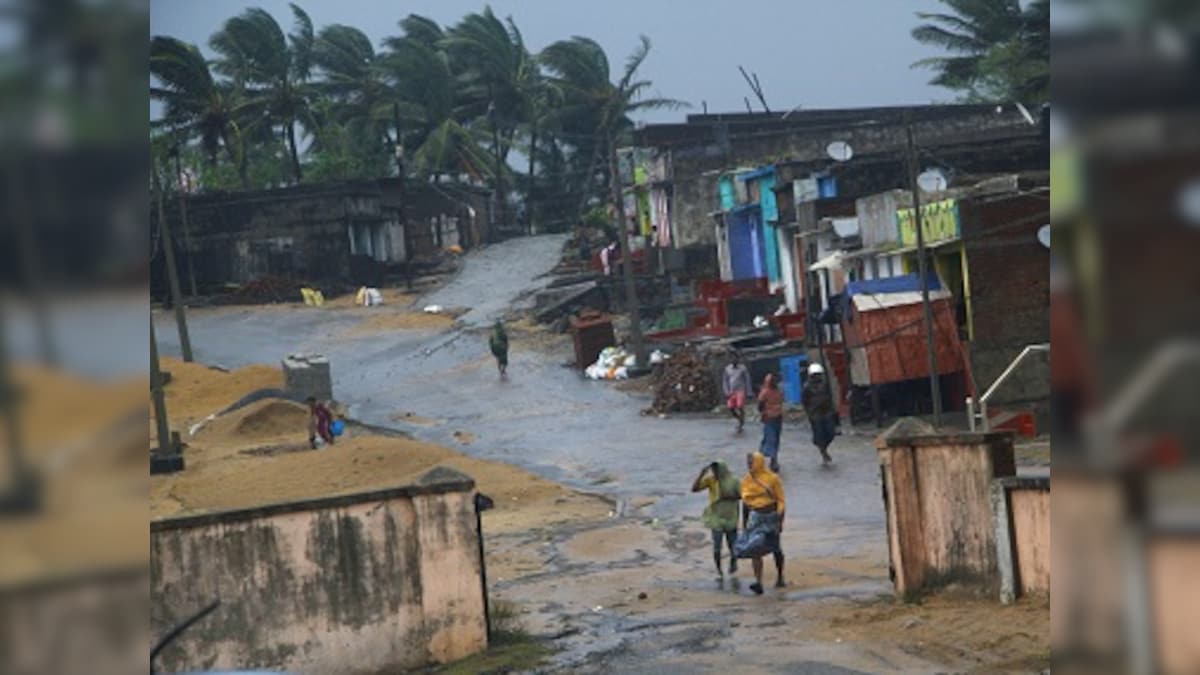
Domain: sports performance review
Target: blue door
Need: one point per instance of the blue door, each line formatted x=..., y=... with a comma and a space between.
x=746, y=244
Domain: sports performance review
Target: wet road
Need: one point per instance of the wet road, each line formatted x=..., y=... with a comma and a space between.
x=548, y=419
x=545, y=417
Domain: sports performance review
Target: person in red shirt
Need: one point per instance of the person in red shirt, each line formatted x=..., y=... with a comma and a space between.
x=770, y=408
x=320, y=422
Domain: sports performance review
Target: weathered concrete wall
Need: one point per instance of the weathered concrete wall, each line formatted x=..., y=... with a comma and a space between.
x=301, y=232
x=1088, y=563
x=94, y=624
x=694, y=165
x=1031, y=535
x=939, y=513
x=1021, y=514
x=1175, y=601
x=363, y=583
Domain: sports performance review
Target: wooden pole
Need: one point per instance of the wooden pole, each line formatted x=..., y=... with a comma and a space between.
x=187, y=234
x=161, y=425
x=185, y=342
x=399, y=150
x=635, y=323
x=934, y=386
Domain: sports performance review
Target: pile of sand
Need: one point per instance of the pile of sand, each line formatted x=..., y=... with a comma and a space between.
x=259, y=421
x=259, y=454
x=84, y=439
x=58, y=409
x=219, y=478
x=197, y=391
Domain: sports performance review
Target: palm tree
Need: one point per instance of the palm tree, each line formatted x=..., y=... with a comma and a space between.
x=434, y=101
x=195, y=104
x=583, y=75
x=354, y=81
x=498, y=66
x=272, y=69
x=999, y=51
x=595, y=110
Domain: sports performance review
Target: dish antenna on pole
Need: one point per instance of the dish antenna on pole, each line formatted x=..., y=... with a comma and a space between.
x=1043, y=235
x=932, y=180
x=839, y=151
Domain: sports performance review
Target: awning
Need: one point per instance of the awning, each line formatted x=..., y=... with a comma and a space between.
x=868, y=303
x=829, y=262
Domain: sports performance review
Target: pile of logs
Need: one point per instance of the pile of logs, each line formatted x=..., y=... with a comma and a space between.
x=685, y=384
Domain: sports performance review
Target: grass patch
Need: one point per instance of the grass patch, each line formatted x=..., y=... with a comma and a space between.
x=511, y=649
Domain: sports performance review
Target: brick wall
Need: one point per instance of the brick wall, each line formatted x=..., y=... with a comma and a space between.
x=1010, y=291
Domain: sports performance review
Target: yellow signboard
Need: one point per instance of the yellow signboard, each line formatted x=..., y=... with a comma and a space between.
x=939, y=221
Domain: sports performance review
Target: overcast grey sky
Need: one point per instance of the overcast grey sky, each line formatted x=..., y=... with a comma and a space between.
x=813, y=53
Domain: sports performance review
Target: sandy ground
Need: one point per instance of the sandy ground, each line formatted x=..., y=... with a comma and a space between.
x=85, y=441
x=259, y=454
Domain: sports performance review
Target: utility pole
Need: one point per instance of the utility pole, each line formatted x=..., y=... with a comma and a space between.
x=408, y=253
x=499, y=185
x=635, y=323
x=185, y=342
x=167, y=457
x=934, y=386
x=187, y=234
x=157, y=397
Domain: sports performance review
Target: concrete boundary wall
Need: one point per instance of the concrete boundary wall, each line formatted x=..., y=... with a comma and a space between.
x=1021, y=514
x=939, y=513
x=372, y=582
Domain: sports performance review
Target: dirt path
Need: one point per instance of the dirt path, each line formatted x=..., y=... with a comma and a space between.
x=579, y=581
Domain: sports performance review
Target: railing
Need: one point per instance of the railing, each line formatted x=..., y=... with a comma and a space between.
x=979, y=417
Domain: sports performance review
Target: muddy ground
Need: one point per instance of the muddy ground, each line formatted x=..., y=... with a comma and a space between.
x=633, y=591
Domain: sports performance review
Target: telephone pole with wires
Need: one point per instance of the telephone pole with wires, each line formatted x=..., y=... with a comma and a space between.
x=922, y=270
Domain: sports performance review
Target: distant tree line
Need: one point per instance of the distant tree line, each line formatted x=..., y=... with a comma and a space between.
x=280, y=107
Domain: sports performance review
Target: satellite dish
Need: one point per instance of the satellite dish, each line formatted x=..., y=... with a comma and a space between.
x=1043, y=235
x=932, y=180
x=1189, y=201
x=839, y=150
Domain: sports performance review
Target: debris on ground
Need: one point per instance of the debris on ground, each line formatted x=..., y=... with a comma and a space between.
x=613, y=364
x=684, y=384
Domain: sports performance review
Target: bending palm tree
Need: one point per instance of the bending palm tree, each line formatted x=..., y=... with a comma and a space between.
x=497, y=64
x=583, y=75
x=435, y=102
x=196, y=105
x=272, y=69
x=1000, y=52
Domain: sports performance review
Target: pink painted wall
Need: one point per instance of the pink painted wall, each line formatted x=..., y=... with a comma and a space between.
x=1031, y=535
x=1175, y=601
x=387, y=583
x=940, y=526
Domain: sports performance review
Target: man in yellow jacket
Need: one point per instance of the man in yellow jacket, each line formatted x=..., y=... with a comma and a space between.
x=763, y=507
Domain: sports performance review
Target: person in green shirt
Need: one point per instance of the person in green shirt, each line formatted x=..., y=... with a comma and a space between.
x=721, y=515
x=498, y=343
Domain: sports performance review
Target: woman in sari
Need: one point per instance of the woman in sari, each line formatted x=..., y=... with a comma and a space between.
x=721, y=515
x=762, y=514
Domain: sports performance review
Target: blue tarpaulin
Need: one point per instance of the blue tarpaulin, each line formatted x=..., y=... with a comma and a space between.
x=900, y=284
